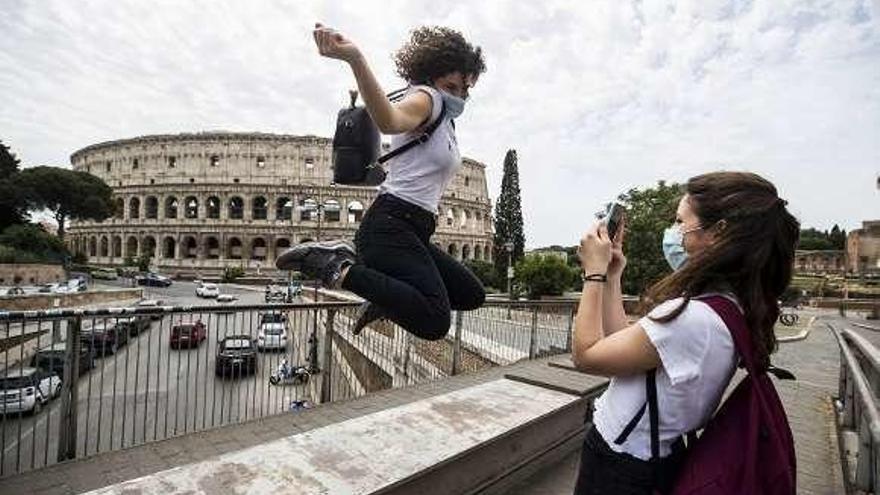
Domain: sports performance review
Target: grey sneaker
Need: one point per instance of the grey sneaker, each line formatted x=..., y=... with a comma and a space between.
x=318, y=260
x=367, y=313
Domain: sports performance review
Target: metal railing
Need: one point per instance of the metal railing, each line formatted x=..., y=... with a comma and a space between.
x=859, y=420
x=74, y=383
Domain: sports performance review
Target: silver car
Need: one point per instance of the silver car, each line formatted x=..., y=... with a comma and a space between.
x=27, y=390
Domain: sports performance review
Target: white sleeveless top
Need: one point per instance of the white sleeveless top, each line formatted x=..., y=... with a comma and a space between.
x=698, y=360
x=421, y=174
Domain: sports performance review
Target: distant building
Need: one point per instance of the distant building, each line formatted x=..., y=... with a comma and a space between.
x=820, y=262
x=554, y=251
x=863, y=249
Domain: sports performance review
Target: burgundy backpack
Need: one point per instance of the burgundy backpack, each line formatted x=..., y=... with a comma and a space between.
x=747, y=446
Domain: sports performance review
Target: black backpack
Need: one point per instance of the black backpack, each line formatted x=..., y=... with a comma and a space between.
x=356, y=143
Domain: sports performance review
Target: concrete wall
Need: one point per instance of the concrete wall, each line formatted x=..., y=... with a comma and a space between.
x=30, y=273
x=50, y=301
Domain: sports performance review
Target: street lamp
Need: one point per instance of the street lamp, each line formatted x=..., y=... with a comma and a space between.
x=509, y=247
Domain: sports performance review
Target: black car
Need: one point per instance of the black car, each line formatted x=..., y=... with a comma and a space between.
x=154, y=280
x=134, y=324
x=104, y=337
x=53, y=359
x=236, y=356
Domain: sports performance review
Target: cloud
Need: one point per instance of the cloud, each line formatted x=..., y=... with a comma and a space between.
x=597, y=97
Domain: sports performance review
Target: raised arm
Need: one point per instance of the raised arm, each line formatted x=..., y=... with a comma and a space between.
x=391, y=118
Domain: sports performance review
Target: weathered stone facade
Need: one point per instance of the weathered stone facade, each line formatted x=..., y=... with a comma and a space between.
x=819, y=262
x=201, y=202
x=863, y=248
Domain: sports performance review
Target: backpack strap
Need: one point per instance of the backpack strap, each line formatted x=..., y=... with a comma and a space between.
x=422, y=138
x=653, y=416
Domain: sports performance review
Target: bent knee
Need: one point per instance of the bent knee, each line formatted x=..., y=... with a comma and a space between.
x=436, y=327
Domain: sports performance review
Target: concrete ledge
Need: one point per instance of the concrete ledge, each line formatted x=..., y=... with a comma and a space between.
x=53, y=301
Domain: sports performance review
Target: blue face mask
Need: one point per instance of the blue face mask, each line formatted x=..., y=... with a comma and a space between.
x=454, y=105
x=673, y=246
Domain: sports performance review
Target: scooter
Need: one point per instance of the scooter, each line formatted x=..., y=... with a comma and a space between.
x=292, y=375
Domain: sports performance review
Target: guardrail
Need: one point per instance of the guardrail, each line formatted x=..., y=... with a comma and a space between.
x=74, y=383
x=858, y=417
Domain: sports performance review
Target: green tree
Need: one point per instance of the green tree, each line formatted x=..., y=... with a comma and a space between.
x=544, y=276
x=649, y=213
x=484, y=271
x=13, y=208
x=815, y=240
x=32, y=239
x=67, y=193
x=837, y=237
x=508, y=218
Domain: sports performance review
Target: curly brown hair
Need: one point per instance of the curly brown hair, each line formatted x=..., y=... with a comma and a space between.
x=435, y=51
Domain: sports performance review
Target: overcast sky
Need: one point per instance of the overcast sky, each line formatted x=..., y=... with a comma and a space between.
x=595, y=96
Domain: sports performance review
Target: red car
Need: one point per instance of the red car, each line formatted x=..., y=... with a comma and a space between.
x=188, y=334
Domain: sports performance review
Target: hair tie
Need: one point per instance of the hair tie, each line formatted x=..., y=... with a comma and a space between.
x=781, y=202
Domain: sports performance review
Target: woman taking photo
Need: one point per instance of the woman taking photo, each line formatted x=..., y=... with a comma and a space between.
x=396, y=268
x=732, y=237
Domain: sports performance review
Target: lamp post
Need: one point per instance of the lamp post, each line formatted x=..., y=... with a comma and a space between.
x=509, y=247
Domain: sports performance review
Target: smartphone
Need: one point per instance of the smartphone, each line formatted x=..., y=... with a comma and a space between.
x=613, y=218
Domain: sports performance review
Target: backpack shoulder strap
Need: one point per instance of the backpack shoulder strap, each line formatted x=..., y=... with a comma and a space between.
x=653, y=416
x=422, y=138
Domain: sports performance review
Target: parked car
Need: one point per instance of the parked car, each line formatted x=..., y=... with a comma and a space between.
x=104, y=274
x=207, y=290
x=104, y=337
x=134, y=324
x=273, y=317
x=54, y=357
x=152, y=303
x=188, y=334
x=275, y=293
x=49, y=288
x=27, y=390
x=272, y=336
x=153, y=280
x=236, y=355
x=15, y=291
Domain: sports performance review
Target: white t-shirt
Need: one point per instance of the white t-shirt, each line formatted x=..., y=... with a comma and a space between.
x=698, y=359
x=421, y=174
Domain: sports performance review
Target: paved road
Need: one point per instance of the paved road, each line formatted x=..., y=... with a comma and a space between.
x=147, y=391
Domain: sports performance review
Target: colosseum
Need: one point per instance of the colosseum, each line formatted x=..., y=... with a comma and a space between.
x=197, y=203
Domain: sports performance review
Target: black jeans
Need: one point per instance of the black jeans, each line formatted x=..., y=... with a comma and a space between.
x=398, y=269
x=603, y=470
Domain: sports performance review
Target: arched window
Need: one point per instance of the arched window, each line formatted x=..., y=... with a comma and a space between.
x=105, y=247
x=148, y=246
x=119, y=208
x=259, y=208
x=453, y=250
x=131, y=247
x=134, y=208
x=171, y=207
x=258, y=249
x=117, y=246
x=234, y=251
x=308, y=210
x=355, y=211
x=151, y=207
x=191, y=207
x=236, y=207
x=331, y=210
x=212, y=248
x=283, y=208
x=450, y=217
x=465, y=252
x=168, y=247
x=93, y=247
x=189, y=246
x=213, y=207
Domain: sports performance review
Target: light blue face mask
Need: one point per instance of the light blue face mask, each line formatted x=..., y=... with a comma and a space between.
x=454, y=105
x=673, y=246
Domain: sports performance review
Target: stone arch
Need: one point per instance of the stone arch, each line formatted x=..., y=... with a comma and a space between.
x=307, y=209
x=233, y=249
x=212, y=206
x=260, y=208
x=93, y=246
x=331, y=210
x=134, y=208
x=105, y=247
x=117, y=246
x=453, y=250
x=478, y=252
x=148, y=246
x=236, y=208
x=465, y=252
x=171, y=207
x=191, y=207
x=283, y=208
x=355, y=211
x=119, y=208
x=281, y=244
x=212, y=248
x=463, y=219
x=151, y=207
x=487, y=253
x=169, y=247
x=450, y=217
x=258, y=249
x=131, y=247
x=189, y=248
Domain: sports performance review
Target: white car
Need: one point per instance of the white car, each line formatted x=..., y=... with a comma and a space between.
x=272, y=336
x=27, y=390
x=207, y=290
